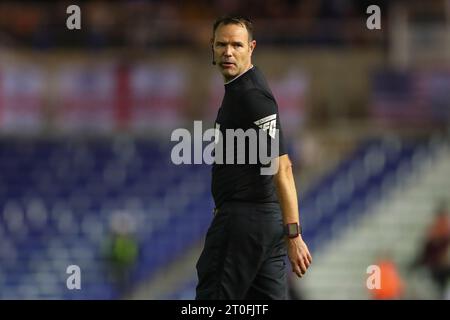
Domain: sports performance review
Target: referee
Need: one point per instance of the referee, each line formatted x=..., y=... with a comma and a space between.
x=256, y=219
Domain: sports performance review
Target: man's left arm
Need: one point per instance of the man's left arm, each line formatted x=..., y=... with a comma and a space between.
x=262, y=111
x=298, y=252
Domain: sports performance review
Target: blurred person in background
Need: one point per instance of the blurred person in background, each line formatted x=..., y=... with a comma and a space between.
x=435, y=253
x=392, y=286
x=121, y=250
x=256, y=215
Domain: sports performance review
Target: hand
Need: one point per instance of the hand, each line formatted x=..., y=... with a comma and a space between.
x=299, y=255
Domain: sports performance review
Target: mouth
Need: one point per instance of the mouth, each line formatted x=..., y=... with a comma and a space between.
x=227, y=65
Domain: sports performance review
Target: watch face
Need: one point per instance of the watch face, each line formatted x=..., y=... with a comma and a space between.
x=292, y=229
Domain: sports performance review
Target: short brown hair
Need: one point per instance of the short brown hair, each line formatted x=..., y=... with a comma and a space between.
x=234, y=20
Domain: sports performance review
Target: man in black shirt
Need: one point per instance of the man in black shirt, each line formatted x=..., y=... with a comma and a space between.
x=256, y=216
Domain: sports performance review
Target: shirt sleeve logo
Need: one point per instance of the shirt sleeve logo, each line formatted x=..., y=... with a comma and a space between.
x=268, y=124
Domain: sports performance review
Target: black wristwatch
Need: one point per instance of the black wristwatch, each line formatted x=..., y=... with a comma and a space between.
x=292, y=230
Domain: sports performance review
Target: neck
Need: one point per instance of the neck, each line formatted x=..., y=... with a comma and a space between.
x=234, y=78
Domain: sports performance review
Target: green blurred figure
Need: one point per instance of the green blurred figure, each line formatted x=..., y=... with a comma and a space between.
x=122, y=251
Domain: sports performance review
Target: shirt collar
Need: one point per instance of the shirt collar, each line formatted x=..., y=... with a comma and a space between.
x=251, y=67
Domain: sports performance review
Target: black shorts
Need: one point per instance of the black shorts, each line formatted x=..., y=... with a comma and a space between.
x=244, y=254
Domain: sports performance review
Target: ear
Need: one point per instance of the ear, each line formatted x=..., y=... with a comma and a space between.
x=252, y=45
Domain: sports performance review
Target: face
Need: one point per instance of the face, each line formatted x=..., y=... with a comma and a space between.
x=232, y=50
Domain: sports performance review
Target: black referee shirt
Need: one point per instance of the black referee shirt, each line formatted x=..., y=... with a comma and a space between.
x=248, y=103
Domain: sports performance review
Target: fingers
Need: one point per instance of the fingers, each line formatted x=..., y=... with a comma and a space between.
x=300, y=258
x=308, y=260
x=296, y=270
x=302, y=266
x=299, y=268
x=308, y=255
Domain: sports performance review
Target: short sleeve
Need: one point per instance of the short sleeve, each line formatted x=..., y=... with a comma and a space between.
x=261, y=113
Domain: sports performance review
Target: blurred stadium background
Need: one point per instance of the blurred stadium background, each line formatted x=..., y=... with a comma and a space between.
x=86, y=116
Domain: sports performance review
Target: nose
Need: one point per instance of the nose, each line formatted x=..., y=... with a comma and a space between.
x=227, y=52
